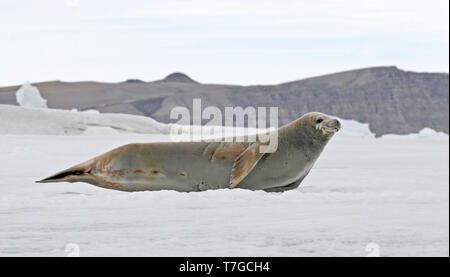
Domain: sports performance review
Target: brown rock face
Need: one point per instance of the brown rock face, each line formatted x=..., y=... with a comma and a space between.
x=391, y=100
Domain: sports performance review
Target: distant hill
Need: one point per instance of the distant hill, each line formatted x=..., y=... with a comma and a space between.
x=389, y=99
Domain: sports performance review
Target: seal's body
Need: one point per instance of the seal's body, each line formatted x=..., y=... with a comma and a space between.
x=199, y=165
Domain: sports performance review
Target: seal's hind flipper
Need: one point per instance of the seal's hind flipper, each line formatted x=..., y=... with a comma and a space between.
x=78, y=173
x=244, y=164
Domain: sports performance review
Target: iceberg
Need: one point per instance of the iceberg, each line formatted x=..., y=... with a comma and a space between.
x=29, y=96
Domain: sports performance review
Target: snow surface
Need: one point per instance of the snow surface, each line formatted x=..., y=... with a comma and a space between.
x=34, y=121
x=29, y=96
x=20, y=120
x=391, y=191
x=91, y=111
x=424, y=133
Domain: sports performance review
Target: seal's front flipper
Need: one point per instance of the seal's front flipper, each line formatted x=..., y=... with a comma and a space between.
x=244, y=164
x=292, y=185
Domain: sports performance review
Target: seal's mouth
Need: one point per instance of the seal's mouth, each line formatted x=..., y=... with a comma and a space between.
x=327, y=130
x=329, y=127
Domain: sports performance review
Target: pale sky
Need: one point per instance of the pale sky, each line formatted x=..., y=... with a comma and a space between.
x=230, y=42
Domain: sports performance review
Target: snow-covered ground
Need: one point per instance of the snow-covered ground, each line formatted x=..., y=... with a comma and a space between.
x=391, y=192
x=37, y=121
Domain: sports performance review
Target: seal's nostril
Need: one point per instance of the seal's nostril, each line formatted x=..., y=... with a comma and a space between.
x=337, y=123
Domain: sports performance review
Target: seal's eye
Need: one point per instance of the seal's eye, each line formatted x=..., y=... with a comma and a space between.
x=319, y=120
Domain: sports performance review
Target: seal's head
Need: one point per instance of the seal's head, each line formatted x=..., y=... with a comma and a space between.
x=321, y=125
